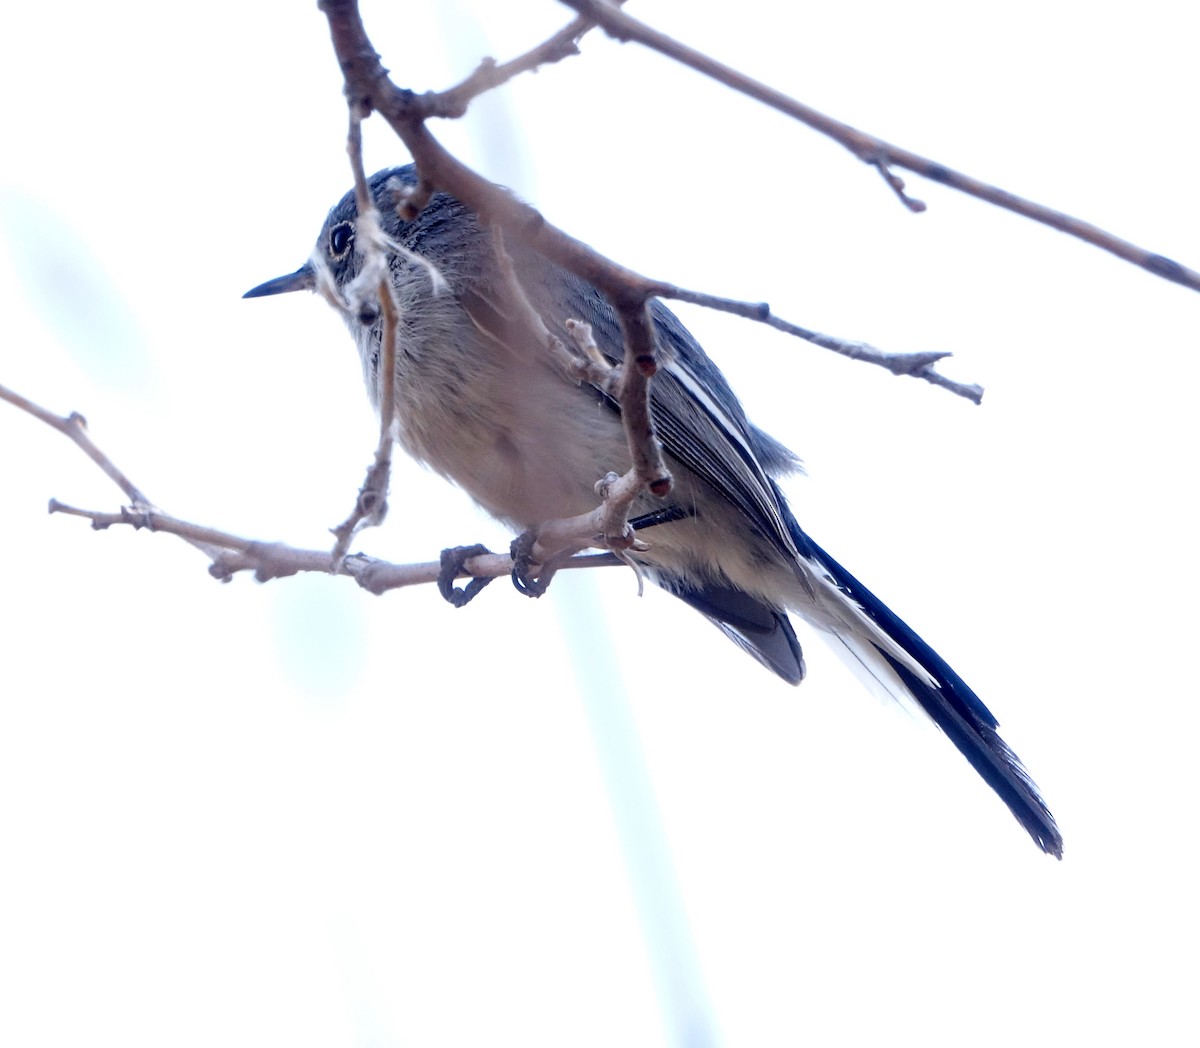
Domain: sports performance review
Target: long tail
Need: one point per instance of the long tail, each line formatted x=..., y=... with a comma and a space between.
x=942, y=694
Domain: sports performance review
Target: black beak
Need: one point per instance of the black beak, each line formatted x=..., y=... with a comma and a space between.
x=302, y=280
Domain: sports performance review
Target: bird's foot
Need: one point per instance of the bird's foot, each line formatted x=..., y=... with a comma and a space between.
x=453, y=565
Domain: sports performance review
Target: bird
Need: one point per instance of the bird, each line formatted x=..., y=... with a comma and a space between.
x=488, y=408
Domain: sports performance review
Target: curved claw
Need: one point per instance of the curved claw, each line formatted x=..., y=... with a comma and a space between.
x=523, y=563
x=453, y=561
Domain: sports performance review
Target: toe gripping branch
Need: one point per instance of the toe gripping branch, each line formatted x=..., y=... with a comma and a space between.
x=453, y=565
x=523, y=576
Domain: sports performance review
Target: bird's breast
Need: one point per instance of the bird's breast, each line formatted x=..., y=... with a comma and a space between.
x=520, y=437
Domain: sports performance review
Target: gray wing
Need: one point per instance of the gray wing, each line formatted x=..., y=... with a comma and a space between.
x=702, y=426
x=699, y=419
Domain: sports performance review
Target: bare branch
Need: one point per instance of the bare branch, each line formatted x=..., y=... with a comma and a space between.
x=231, y=553
x=875, y=151
x=641, y=362
x=74, y=426
x=370, y=507
x=915, y=365
x=379, y=576
x=896, y=184
x=276, y=560
x=453, y=102
x=524, y=325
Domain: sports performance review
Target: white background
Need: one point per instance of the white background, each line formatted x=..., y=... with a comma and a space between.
x=298, y=814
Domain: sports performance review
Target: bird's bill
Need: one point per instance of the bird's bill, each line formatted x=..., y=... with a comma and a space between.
x=304, y=279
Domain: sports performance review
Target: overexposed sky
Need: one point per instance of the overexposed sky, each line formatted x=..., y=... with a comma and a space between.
x=298, y=814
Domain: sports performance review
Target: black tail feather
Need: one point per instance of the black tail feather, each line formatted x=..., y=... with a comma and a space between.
x=952, y=706
x=989, y=755
x=753, y=626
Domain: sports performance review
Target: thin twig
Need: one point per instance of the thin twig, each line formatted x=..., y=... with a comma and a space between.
x=370, y=507
x=231, y=553
x=377, y=259
x=523, y=325
x=875, y=151
x=379, y=576
x=274, y=560
x=74, y=426
x=915, y=365
x=641, y=362
x=453, y=102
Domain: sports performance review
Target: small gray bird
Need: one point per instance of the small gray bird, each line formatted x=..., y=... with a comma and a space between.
x=498, y=416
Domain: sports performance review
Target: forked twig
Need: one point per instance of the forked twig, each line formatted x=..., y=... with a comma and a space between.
x=231, y=553
x=880, y=154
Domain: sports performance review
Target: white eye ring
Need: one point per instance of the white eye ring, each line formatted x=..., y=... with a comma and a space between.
x=341, y=239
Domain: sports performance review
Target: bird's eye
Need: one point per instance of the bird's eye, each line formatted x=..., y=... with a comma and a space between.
x=341, y=237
